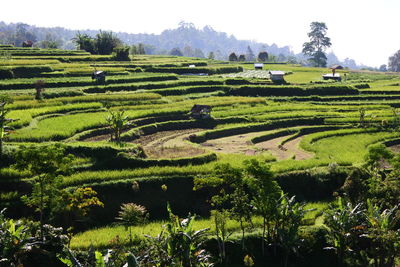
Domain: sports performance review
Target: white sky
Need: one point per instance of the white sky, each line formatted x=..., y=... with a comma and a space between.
x=365, y=30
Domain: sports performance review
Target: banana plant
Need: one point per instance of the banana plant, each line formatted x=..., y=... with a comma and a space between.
x=178, y=245
x=344, y=220
x=14, y=236
x=383, y=233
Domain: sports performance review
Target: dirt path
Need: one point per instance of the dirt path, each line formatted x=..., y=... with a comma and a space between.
x=170, y=144
x=395, y=148
x=288, y=150
x=173, y=144
x=241, y=144
x=236, y=144
x=294, y=146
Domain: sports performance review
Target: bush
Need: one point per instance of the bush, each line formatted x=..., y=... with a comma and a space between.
x=312, y=185
x=179, y=194
x=30, y=71
x=6, y=74
x=56, y=94
x=121, y=53
x=287, y=90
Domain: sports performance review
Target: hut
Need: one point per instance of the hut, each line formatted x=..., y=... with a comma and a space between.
x=258, y=66
x=334, y=68
x=276, y=76
x=333, y=76
x=99, y=76
x=27, y=43
x=201, y=111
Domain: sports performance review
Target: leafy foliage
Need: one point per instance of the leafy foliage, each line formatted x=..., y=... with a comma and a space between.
x=318, y=42
x=21, y=244
x=121, y=53
x=103, y=44
x=132, y=214
x=45, y=164
x=4, y=121
x=394, y=62
x=262, y=56
x=178, y=245
x=176, y=52
x=117, y=121
x=232, y=57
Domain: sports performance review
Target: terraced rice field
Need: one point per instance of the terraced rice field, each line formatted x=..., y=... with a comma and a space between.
x=303, y=125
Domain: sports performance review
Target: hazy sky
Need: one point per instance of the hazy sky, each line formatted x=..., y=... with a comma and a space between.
x=365, y=30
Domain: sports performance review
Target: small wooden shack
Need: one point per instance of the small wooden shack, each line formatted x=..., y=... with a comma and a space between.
x=258, y=66
x=333, y=76
x=27, y=43
x=201, y=111
x=277, y=76
x=99, y=76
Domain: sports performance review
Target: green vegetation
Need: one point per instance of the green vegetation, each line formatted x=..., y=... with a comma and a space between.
x=263, y=144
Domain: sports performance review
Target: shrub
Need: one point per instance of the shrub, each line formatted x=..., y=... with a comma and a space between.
x=6, y=74
x=131, y=214
x=312, y=185
x=121, y=53
x=285, y=90
x=30, y=71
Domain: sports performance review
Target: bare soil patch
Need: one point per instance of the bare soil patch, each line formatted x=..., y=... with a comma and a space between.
x=288, y=150
x=98, y=138
x=170, y=144
x=395, y=148
x=236, y=144
x=241, y=144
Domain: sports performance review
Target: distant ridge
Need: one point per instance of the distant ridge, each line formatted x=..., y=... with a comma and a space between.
x=190, y=40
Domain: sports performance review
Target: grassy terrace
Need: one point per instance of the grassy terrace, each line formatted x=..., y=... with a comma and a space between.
x=301, y=129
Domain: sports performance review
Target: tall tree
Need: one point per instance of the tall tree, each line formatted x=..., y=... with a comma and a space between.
x=140, y=49
x=188, y=51
x=176, y=52
x=84, y=42
x=250, y=54
x=262, y=56
x=45, y=164
x=134, y=50
x=266, y=193
x=394, y=62
x=198, y=53
x=315, y=48
x=233, y=57
x=23, y=34
x=106, y=42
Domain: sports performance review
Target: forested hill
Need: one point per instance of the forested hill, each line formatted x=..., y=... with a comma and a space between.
x=206, y=39
x=190, y=40
x=186, y=36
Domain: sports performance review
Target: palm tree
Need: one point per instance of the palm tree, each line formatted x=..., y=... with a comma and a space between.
x=131, y=214
x=84, y=42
